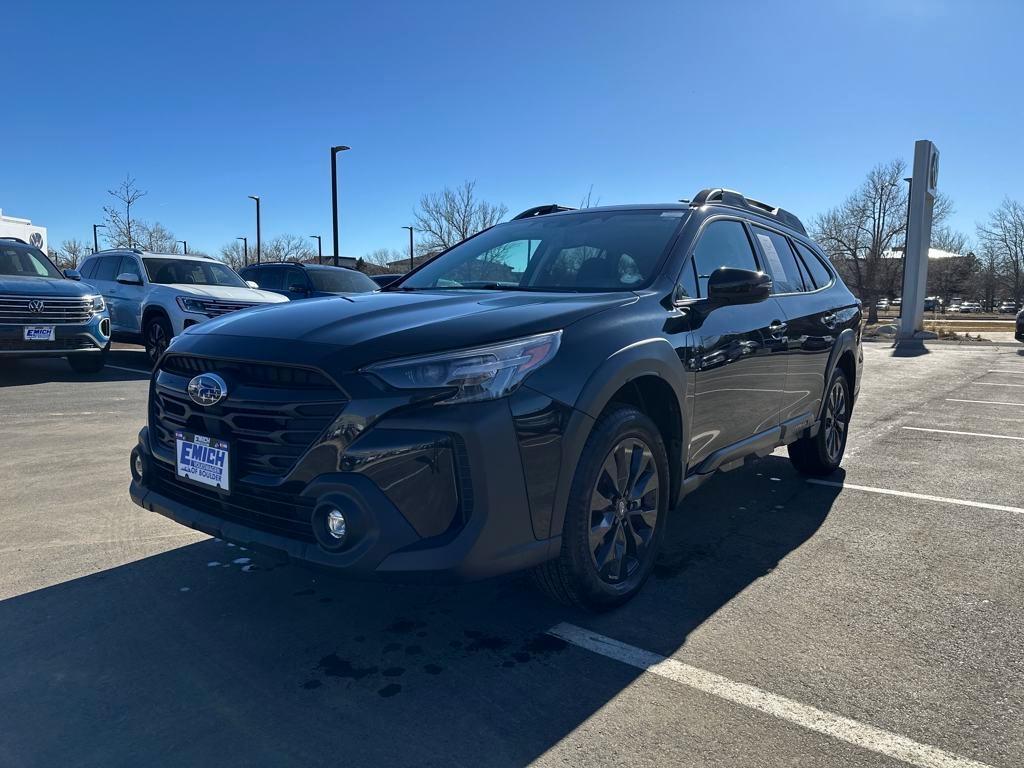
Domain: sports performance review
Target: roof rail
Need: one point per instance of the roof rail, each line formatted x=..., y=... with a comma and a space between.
x=542, y=210
x=15, y=239
x=736, y=199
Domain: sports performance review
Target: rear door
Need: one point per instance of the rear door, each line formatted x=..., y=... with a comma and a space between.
x=739, y=370
x=102, y=280
x=801, y=289
x=128, y=317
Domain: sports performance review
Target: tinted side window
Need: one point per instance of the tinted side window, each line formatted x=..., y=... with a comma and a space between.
x=780, y=261
x=107, y=268
x=129, y=266
x=723, y=243
x=271, y=278
x=88, y=268
x=296, y=279
x=251, y=273
x=819, y=273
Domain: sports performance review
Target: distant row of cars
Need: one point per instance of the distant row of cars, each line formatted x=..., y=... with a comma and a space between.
x=135, y=296
x=935, y=304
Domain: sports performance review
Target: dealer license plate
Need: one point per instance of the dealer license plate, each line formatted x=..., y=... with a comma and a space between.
x=202, y=459
x=39, y=333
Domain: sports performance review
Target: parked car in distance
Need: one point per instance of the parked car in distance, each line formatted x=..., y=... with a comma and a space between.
x=385, y=280
x=154, y=297
x=539, y=396
x=304, y=281
x=932, y=304
x=1008, y=306
x=47, y=313
x=1019, y=334
x=971, y=307
x=882, y=304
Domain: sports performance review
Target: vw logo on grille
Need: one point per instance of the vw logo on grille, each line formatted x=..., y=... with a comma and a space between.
x=207, y=389
x=36, y=306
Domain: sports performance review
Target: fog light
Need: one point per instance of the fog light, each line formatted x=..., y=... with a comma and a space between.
x=336, y=525
x=138, y=465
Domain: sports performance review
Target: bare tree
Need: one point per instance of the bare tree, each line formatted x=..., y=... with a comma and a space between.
x=383, y=257
x=587, y=200
x=233, y=254
x=448, y=217
x=1003, y=234
x=70, y=253
x=119, y=225
x=154, y=237
x=287, y=248
x=860, y=234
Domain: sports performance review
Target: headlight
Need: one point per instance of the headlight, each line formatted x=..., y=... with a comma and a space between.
x=191, y=305
x=98, y=305
x=481, y=373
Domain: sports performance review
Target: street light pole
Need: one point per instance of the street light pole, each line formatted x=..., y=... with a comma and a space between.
x=334, y=193
x=184, y=244
x=245, y=249
x=258, y=251
x=411, y=264
x=95, y=240
x=319, y=248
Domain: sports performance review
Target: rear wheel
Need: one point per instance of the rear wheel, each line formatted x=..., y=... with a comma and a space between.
x=157, y=335
x=615, y=515
x=821, y=454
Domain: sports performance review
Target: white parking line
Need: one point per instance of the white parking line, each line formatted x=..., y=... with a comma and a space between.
x=997, y=384
x=921, y=496
x=983, y=402
x=813, y=719
x=130, y=370
x=969, y=434
x=1021, y=371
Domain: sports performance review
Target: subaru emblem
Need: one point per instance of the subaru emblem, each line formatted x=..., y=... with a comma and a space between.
x=36, y=305
x=207, y=389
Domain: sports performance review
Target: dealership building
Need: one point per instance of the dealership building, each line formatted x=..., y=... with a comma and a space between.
x=11, y=226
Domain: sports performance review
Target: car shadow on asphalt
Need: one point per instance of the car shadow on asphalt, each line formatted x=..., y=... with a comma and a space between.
x=122, y=365
x=210, y=654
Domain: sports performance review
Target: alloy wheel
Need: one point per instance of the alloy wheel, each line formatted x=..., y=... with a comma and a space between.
x=835, y=420
x=157, y=338
x=624, y=511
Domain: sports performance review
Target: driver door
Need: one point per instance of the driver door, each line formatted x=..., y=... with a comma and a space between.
x=738, y=360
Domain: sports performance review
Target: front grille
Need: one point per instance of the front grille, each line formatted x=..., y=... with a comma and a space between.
x=49, y=311
x=270, y=418
x=216, y=308
x=60, y=345
x=277, y=511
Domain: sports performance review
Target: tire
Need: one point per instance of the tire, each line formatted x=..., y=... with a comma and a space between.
x=156, y=335
x=821, y=455
x=91, y=363
x=613, y=523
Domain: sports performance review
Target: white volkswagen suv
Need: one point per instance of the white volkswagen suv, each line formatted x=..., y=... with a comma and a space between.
x=155, y=296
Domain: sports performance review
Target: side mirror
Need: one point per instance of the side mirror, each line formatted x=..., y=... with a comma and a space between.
x=252, y=284
x=128, y=278
x=72, y=274
x=728, y=285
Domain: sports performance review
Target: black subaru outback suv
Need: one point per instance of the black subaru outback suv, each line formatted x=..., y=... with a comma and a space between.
x=538, y=397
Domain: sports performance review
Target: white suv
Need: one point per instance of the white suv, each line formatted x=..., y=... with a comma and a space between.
x=155, y=296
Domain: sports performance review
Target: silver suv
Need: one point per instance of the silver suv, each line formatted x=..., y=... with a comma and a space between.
x=153, y=297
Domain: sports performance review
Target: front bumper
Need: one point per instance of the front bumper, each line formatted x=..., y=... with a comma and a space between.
x=436, y=492
x=91, y=337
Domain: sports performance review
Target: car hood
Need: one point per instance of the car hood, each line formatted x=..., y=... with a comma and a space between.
x=364, y=328
x=227, y=292
x=44, y=286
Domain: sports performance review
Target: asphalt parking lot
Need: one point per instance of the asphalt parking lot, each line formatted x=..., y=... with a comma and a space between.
x=874, y=619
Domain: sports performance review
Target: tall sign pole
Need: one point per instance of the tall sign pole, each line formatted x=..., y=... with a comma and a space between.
x=923, y=189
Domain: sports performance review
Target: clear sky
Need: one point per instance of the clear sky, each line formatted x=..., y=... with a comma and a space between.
x=206, y=103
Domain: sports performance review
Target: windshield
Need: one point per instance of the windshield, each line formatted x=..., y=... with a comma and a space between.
x=191, y=272
x=341, y=281
x=598, y=251
x=25, y=261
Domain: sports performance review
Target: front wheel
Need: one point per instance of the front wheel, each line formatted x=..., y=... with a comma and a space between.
x=157, y=336
x=821, y=454
x=615, y=516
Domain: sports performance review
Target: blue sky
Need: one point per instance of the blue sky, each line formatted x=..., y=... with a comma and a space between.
x=206, y=103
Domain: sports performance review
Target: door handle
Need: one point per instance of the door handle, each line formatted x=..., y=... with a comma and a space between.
x=829, y=320
x=778, y=328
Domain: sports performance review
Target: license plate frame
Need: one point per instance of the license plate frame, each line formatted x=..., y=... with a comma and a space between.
x=39, y=333
x=203, y=461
